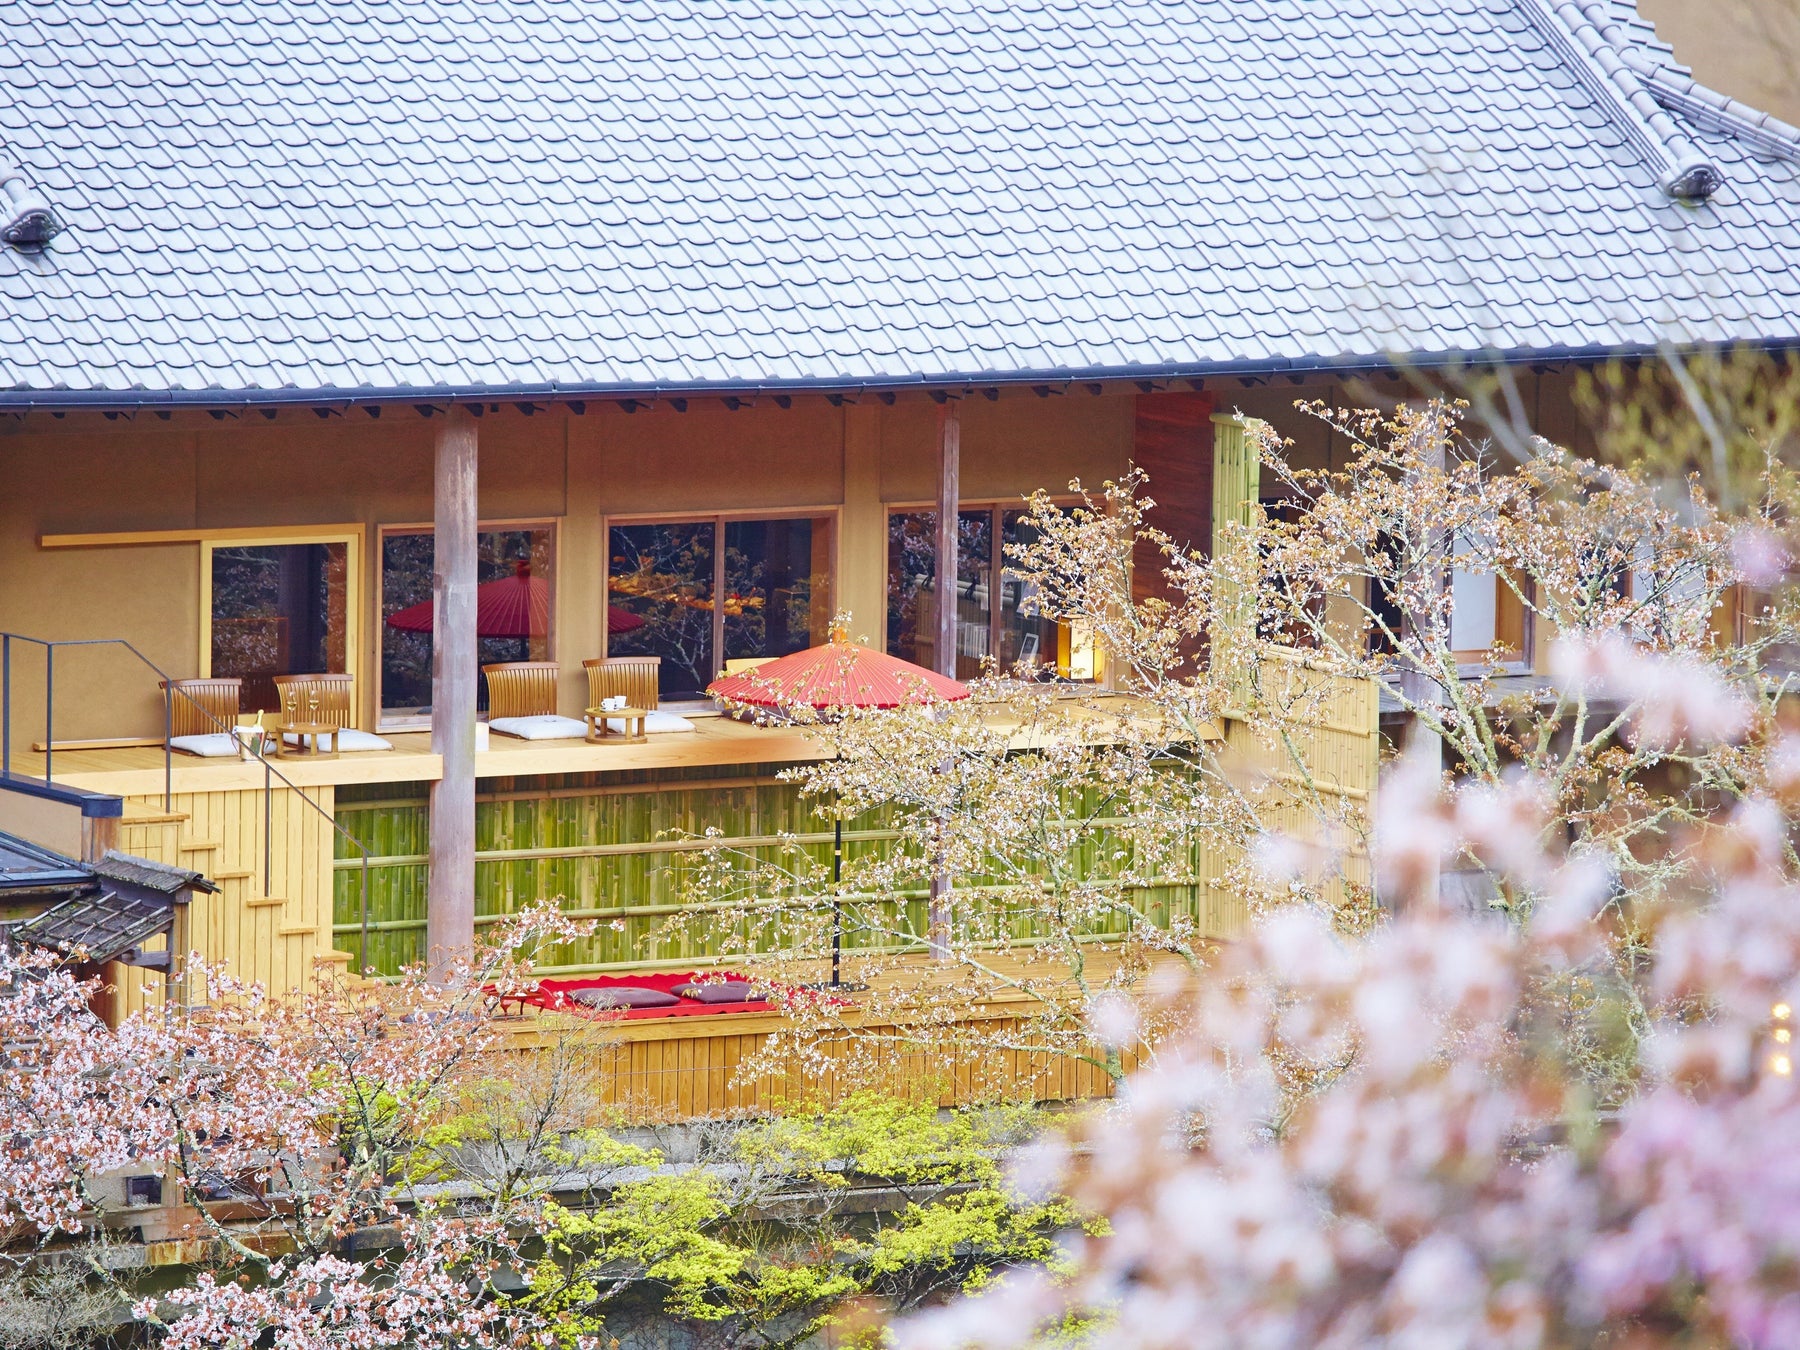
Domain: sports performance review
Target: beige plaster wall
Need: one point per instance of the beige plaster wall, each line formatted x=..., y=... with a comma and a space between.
x=85, y=474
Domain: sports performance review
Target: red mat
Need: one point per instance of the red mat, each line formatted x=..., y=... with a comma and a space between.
x=554, y=995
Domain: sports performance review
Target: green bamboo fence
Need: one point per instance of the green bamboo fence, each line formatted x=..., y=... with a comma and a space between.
x=612, y=847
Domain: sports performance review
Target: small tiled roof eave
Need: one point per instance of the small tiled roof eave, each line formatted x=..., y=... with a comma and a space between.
x=149, y=875
x=102, y=926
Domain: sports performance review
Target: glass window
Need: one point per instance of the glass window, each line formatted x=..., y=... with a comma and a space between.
x=912, y=588
x=278, y=609
x=659, y=583
x=1027, y=638
x=775, y=573
x=774, y=576
x=984, y=629
x=912, y=573
x=514, y=605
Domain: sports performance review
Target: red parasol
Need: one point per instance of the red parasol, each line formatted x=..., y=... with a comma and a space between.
x=512, y=607
x=839, y=674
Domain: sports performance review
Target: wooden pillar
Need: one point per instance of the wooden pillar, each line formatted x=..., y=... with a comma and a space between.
x=1424, y=748
x=450, y=900
x=1237, y=490
x=176, y=995
x=98, y=833
x=948, y=496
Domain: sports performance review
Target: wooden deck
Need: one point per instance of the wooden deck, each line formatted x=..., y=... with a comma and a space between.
x=129, y=771
x=138, y=770
x=653, y=1071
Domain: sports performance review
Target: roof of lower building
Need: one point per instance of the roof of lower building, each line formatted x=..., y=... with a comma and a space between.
x=100, y=926
x=148, y=874
x=29, y=867
x=612, y=196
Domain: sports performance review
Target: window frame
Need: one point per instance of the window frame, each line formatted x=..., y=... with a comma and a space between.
x=412, y=720
x=352, y=537
x=718, y=520
x=995, y=507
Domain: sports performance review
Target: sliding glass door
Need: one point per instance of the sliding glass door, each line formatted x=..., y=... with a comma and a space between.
x=703, y=592
x=277, y=609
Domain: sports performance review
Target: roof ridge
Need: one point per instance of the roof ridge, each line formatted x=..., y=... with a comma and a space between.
x=1683, y=169
x=1680, y=92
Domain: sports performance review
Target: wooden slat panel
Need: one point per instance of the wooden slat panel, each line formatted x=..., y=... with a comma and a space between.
x=1172, y=442
x=232, y=926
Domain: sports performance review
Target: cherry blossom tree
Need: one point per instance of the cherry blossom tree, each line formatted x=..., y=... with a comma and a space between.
x=1083, y=826
x=1449, y=1177
x=295, y=1133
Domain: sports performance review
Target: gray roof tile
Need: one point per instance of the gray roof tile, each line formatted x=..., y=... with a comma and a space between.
x=591, y=192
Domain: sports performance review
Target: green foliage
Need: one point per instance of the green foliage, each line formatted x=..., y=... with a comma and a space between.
x=789, y=1225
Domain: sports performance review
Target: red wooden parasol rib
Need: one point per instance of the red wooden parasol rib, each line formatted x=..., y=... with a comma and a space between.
x=512, y=607
x=839, y=674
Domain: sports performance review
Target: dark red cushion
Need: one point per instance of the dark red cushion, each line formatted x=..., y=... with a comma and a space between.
x=731, y=991
x=623, y=996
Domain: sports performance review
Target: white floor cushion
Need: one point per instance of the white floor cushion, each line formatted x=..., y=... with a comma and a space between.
x=214, y=745
x=653, y=723
x=349, y=739
x=547, y=727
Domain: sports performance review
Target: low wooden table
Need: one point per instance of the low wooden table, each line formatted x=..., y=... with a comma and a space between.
x=598, y=731
x=303, y=732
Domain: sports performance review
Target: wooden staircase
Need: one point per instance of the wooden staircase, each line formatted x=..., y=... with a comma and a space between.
x=273, y=933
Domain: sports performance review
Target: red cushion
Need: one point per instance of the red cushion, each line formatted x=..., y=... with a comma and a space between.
x=731, y=991
x=558, y=995
x=623, y=996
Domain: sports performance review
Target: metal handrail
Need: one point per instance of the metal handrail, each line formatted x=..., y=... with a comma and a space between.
x=270, y=772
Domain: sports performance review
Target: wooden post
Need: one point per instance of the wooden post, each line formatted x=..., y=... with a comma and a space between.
x=1418, y=685
x=949, y=495
x=98, y=833
x=176, y=996
x=1237, y=488
x=862, y=545
x=450, y=898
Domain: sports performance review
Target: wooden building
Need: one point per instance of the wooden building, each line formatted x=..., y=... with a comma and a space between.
x=685, y=371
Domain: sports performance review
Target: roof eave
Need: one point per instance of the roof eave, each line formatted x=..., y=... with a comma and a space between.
x=440, y=395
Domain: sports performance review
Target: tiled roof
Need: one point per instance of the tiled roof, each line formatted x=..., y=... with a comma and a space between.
x=614, y=194
x=25, y=866
x=150, y=875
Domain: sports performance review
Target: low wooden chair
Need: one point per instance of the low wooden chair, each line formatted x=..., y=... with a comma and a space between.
x=522, y=702
x=337, y=698
x=521, y=688
x=738, y=664
x=638, y=678
x=202, y=707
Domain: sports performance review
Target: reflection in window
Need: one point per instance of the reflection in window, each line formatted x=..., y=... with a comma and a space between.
x=772, y=570
x=661, y=577
x=278, y=609
x=513, y=607
x=774, y=576
x=1004, y=632
x=1031, y=638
